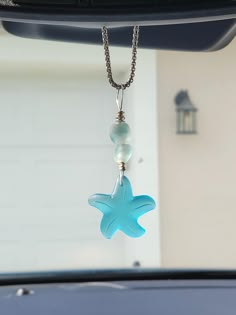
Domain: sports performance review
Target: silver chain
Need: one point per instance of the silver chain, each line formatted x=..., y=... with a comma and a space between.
x=105, y=39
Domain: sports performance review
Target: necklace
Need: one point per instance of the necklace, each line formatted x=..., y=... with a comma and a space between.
x=135, y=41
x=121, y=210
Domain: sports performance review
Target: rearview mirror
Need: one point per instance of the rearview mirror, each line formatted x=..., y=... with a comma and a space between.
x=116, y=13
x=166, y=24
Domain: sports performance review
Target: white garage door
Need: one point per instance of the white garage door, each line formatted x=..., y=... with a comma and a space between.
x=54, y=153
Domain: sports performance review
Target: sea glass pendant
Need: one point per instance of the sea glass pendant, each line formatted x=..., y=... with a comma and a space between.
x=121, y=210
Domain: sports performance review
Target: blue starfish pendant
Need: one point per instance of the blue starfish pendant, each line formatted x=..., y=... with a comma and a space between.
x=121, y=210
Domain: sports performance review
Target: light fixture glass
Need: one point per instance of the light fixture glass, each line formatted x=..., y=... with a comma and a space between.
x=186, y=114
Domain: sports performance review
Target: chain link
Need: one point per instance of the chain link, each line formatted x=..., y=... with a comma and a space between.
x=105, y=39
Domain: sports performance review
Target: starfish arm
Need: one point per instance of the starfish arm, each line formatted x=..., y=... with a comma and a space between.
x=101, y=202
x=109, y=225
x=133, y=229
x=121, y=210
x=142, y=205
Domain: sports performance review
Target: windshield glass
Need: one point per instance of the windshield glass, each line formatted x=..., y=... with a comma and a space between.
x=162, y=4
x=56, y=110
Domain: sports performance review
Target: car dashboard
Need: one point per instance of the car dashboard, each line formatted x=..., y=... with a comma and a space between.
x=195, y=297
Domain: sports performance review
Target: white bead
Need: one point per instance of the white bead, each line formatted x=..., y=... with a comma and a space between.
x=120, y=133
x=123, y=153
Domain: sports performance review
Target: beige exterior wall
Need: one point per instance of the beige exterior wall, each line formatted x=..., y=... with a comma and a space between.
x=198, y=173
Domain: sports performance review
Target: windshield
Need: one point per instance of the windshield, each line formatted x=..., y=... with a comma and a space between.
x=56, y=110
x=161, y=4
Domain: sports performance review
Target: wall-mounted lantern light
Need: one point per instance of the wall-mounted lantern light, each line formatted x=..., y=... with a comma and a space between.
x=186, y=114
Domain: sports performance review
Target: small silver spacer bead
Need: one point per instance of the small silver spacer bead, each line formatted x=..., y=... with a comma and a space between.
x=120, y=117
x=122, y=167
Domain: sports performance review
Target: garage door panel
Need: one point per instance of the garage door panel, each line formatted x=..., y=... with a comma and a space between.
x=53, y=185
x=15, y=256
x=57, y=255
x=16, y=110
x=10, y=172
x=61, y=254
x=80, y=117
x=81, y=214
x=66, y=182
x=55, y=114
x=87, y=255
x=56, y=231
x=55, y=152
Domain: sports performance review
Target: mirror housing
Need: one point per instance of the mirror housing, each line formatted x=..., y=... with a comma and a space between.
x=205, y=36
x=116, y=13
x=192, y=25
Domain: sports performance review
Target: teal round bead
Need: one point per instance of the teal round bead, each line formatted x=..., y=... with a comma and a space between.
x=123, y=153
x=120, y=133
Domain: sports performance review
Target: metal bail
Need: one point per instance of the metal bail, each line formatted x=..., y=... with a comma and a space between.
x=120, y=98
x=122, y=169
x=121, y=177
